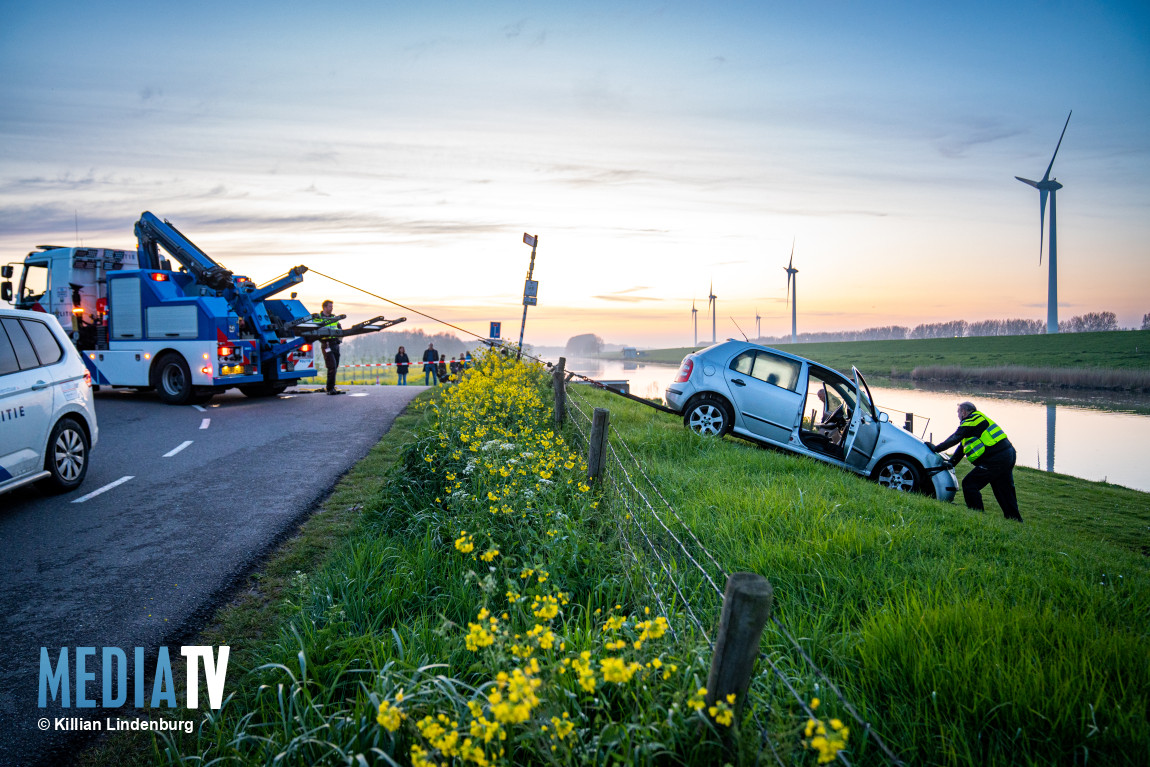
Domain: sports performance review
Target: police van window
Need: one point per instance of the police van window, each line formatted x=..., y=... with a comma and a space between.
x=776, y=370
x=45, y=344
x=7, y=355
x=25, y=354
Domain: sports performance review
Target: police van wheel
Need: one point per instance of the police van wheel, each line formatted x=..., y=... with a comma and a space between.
x=172, y=379
x=66, y=459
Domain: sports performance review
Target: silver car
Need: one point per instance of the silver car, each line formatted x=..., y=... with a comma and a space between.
x=763, y=394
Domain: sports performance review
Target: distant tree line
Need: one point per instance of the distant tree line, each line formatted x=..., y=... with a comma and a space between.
x=585, y=345
x=1085, y=323
x=382, y=346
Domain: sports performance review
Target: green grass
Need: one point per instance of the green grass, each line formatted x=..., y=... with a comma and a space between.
x=1119, y=350
x=964, y=637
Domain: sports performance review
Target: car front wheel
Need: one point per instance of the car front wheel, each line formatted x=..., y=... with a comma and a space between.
x=708, y=416
x=66, y=458
x=899, y=474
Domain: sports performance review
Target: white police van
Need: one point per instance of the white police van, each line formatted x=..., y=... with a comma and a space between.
x=47, y=414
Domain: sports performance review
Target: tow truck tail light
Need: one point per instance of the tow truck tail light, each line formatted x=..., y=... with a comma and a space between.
x=159, y=277
x=225, y=351
x=305, y=348
x=685, y=370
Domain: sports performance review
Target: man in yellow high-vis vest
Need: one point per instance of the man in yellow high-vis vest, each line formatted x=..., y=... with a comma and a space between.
x=984, y=442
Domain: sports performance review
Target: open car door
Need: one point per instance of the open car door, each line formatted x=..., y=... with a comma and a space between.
x=862, y=434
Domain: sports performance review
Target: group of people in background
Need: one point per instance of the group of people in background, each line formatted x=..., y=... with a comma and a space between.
x=436, y=367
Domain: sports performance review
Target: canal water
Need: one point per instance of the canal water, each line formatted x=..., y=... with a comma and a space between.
x=1094, y=436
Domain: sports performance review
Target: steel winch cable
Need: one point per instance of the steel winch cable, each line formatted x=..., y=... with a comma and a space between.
x=492, y=342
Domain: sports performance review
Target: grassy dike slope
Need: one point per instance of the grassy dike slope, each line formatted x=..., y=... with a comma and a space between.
x=1120, y=350
x=967, y=639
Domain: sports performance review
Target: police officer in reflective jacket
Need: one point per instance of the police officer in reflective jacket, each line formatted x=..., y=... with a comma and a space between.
x=984, y=442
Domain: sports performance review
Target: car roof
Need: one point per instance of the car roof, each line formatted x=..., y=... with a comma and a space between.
x=733, y=343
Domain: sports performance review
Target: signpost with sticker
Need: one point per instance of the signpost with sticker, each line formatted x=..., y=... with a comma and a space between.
x=530, y=288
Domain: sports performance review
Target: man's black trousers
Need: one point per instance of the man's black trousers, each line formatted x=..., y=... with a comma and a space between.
x=998, y=472
x=331, y=361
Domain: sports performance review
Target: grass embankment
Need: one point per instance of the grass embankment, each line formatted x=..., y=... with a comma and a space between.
x=962, y=637
x=1118, y=359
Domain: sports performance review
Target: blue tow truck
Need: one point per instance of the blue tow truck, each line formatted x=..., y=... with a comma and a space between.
x=187, y=332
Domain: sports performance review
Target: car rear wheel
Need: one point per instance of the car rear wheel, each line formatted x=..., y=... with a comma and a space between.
x=66, y=458
x=900, y=474
x=708, y=416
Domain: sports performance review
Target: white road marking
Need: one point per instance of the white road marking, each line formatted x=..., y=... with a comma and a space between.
x=200, y=408
x=204, y=423
x=360, y=394
x=103, y=489
x=172, y=452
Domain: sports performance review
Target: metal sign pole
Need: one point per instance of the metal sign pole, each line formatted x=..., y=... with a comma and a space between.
x=530, y=289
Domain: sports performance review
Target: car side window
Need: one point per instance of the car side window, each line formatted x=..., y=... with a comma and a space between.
x=45, y=344
x=775, y=370
x=7, y=355
x=742, y=363
x=25, y=354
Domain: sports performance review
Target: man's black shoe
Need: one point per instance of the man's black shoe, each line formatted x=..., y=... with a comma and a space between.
x=336, y=391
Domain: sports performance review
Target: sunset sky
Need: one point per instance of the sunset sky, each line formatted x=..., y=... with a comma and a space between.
x=654, y=148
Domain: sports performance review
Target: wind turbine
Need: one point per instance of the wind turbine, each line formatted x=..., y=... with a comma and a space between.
x=695, y=318
x=713, y=302
x=1048, y=186
x=791, y=272
x=758, y=324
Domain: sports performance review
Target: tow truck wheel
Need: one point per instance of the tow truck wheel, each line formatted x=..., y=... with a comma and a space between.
x=708, y=416
x=900, y=474
x=263, y=390
x=172, y=379
x=66, y=458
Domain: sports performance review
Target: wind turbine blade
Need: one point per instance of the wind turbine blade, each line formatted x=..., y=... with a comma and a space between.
x=1051, y=165
x=792, y=261
x=1027, y=181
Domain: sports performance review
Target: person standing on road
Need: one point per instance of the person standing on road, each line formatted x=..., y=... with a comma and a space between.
x=330, y=347
x=985, y=444
x=430, y=357
x=401, y=363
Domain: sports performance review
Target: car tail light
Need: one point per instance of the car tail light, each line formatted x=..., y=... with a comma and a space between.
x=685, y=370
x=87, y=378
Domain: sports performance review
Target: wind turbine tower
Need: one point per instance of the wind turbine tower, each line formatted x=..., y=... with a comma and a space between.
x=1048, y=186
x=793, y=296
x=695, y=319
x=713, y=302
x=758, y=324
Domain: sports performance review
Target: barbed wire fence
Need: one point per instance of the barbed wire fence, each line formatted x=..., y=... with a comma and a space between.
x=679, y=571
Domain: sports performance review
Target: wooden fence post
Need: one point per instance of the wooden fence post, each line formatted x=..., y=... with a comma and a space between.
x=746, y=608
x=559, y=384
x=596, y=451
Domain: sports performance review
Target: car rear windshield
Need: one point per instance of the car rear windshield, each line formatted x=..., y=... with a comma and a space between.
x=47, y=348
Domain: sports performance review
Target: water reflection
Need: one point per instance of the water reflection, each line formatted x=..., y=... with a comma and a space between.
x=1097, y=436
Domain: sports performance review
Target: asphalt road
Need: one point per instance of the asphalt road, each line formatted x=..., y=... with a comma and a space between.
x=204, y=492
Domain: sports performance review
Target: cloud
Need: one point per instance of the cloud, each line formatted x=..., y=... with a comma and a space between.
x=624, y=296
x=959, y=144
